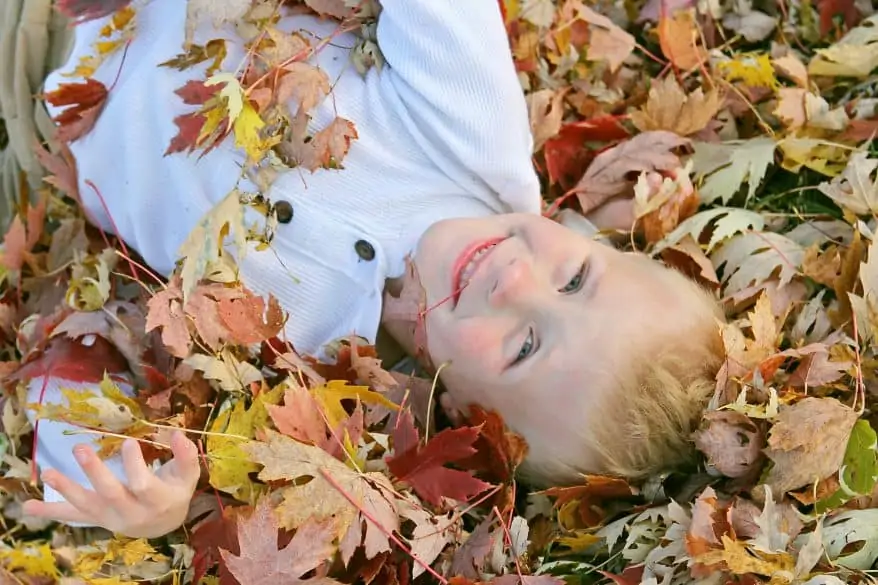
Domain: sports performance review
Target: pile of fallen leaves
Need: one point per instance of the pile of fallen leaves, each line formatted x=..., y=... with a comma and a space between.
x=326, y=473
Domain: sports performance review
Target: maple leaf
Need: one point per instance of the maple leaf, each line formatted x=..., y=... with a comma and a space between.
x=305, y=84
x=198, y=11
x=229, y=465
x=566, y=159
x=545, y=111
x=731, y=441
x=165, y=310
x=670, y=108
x=430, y=536
x=581, y=504
x=260, y=561
x=608, y=175
x=331, y=394
x=423, y=467
x=299, y=417
x=61, y=168
x=86, y=100
x=607, y=41
x=750, y=259
x=85, y=10
x=232, y=374
x=214, y=49
x=15, y=245
x=728, y=165
x=855, y=55
x=326, y=149
x=679, y=40
x=320, y=499
x=499, y=451
x=247, y=320
x=855, y=189
x=807, y=442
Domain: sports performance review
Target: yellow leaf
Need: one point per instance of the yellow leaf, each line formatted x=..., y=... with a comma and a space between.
x=247, y=127
x=229, y=465
x=580, y=542
x=232, y=91
x=741, y=559
x=132, y=551
x=679, y=40
x=750, y=69
x=332, y=393
x=89, y=563
x=34, y=561
x=824, y=157
x=117, y=580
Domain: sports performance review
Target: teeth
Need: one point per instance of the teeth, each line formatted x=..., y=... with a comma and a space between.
x=471, y=266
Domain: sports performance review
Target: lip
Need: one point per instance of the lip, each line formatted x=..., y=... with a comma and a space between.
x=464, y=259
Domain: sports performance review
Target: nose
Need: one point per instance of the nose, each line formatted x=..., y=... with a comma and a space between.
x=513, y=282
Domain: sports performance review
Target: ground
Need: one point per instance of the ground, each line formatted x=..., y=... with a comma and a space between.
x=315, y=473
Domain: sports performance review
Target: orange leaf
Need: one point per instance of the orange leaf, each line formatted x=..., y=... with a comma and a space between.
x=678, y=37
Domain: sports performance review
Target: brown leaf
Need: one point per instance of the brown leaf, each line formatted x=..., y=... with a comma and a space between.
x=545, y=111
x=471, y=557
x=607, y=41
x=260, y=561
x=680, y=41
x=305, y=84
x=15, y=245
x=707, y=526
x=676, y=200
x=670, y=108
x=688, y=257
x=61, y=168
x=595, y=491
x=731, y=441
x=807, y=442
x=609, y=175
x=325, y=149
x=333, y=8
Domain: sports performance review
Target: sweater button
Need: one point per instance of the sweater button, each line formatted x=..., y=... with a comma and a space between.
x=284, y=211
x=365, y=250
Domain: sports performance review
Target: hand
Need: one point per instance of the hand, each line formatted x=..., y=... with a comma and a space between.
x=152, y=504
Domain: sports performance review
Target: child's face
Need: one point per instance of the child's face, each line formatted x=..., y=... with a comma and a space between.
x=543, y=320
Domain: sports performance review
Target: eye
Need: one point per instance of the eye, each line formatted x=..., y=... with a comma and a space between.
x=576, y=282
x=527, y=348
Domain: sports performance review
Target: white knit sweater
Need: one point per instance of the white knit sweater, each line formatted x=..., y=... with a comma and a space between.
x=443, y=132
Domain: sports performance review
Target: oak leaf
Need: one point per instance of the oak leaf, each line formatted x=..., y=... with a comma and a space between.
x=807, y=442
x=86, y=100
x=423, y=467
x=670, y=108
x=260, y=561
x=752, y=258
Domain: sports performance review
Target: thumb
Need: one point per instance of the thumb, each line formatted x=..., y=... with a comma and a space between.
x=184, y=467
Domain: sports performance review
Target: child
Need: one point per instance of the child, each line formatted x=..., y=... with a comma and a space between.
x=601, y=359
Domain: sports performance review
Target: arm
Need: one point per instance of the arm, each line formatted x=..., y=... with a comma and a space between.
x=451, y=66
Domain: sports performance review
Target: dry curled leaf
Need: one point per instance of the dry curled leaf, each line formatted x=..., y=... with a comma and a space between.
x=731, y=442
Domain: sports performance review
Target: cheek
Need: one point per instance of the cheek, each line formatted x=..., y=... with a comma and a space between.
x=467, y=344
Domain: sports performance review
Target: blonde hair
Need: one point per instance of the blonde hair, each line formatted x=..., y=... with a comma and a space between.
x=660, y=399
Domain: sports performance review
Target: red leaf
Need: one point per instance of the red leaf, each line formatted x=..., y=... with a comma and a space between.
x=61, y=168
x=299, y=417
x=190, y=126
x=422, y=467
x=70, y=360
x=595, y=490
x=195, y=92
x=499, y=451
x=566, y=154
x=207, y=540
x=630, y=576
x=86, y=100
x=85, y=10
x=829, y=9
x=860, y=130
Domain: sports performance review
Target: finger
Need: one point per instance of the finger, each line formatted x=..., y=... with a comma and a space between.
x=107, y=485
x=86, y=501
x=184, y=467
x=58, y=511
x=140, y=477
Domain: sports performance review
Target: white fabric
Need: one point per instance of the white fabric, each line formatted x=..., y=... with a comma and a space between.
x=443, y=132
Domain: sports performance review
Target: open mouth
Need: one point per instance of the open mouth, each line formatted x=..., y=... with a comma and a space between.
x=468, y=263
